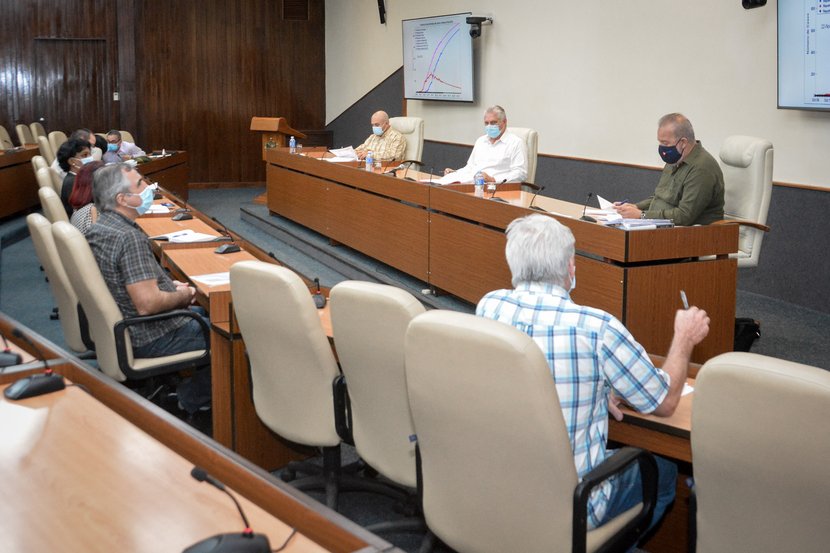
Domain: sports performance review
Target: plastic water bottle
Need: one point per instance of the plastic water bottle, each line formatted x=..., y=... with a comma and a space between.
x=370, y=161
x=292, y=145
x=479, y=184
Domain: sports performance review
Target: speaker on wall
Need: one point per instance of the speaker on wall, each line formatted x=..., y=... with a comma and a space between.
x=382, y=12
x=749, y=4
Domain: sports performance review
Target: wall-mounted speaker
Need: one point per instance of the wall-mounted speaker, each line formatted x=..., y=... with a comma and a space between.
x=749, y=4
x=382, y=12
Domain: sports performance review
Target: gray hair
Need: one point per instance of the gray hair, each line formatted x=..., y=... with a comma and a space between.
x=498, y=111
x=680, y=125
x=115, y=133
x=539, y=249
x=108, y=183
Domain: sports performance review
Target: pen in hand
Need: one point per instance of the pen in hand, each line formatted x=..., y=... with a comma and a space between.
x=684, y=300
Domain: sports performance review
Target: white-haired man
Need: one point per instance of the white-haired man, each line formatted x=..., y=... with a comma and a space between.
x=591, y=355
x=499, y=155
x=385, y=143
x=690, y=190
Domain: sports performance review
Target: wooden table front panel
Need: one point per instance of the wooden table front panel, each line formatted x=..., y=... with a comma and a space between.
x=298, y=197
x=653, y=297
x=600, y=285
x=18, y=185
x=171, y=173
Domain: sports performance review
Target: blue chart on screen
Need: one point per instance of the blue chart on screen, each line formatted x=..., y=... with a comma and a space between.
x=438, y=58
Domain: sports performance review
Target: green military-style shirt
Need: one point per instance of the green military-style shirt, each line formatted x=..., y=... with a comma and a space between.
x=689, y=192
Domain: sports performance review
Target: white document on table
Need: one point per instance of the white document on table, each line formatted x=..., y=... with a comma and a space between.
x=342, y=154
x=213, y=279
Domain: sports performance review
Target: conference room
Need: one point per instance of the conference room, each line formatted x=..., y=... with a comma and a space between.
x=213, y=93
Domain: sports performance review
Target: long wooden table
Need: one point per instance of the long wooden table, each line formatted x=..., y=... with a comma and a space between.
x=98, y=468
x=171, y=172
x=455, y=242
x=18, y=186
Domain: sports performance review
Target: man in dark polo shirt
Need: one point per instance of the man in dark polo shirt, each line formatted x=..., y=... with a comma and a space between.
x=137, y=282
x=690, y=191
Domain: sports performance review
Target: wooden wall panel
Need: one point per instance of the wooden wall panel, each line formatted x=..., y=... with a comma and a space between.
x=190, y=74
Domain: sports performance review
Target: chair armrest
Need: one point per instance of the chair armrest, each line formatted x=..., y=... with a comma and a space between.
x=743, y=222
x=612, y=466
x=342, y=410
x=120, y=330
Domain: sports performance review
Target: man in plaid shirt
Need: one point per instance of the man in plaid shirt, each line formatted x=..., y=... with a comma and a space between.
x=592, y=356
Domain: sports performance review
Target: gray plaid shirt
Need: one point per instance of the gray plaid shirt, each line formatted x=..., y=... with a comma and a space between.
x=124, y=256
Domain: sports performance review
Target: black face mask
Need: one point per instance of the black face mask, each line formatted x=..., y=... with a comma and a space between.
x=670, y=154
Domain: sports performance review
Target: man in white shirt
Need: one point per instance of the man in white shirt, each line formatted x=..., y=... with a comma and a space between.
x=120, y=150
x=499, y=155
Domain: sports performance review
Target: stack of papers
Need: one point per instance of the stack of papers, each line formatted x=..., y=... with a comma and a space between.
x=645, y=224
x=158, y=208
x=213, y=279
x=342, y=154
x=185, y=236
x=606, y=214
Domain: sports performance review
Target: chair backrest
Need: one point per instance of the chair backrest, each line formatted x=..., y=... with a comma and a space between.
x=56, y=138
x=412, y=128
x=57, y=180
x=292, y=364
x=24, y=134
x=498, y=472
x=52, y=206
x=531, y=139
x=760, y=446
x=37, y=129
x=127, y=136
x=45, y=149
x=369, y=322
x=101, y=310
x=5, y=139
x=746, y=162
x=44, y=178
x=39, y=162
x=40, y=230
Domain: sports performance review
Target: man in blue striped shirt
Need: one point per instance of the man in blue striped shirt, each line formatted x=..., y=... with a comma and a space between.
x=592, y=357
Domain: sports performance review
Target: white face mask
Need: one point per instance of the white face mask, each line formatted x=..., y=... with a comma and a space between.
x=573, y=283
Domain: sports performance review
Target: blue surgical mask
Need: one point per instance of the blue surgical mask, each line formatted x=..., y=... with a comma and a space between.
x=112, y=147
x=670, y=154
x=377, y=130
x=146, y=196
x=493, y=131
x=88, y=159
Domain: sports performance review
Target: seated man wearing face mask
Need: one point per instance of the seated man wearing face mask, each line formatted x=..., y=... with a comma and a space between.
x=137, y=282
x=385, y=143
x=590, y=355
x=120, y=150
x=690, y=190
x=499, y=155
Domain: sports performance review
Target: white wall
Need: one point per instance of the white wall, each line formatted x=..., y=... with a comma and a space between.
x=594, y=77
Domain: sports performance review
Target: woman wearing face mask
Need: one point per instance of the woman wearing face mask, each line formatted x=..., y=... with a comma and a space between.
x=72, y=155
x=84, y=214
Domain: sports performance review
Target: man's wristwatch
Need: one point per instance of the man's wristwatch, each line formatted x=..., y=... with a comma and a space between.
x=642, y=215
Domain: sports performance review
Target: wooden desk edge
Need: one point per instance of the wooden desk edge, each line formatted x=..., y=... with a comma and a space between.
x=320, y=524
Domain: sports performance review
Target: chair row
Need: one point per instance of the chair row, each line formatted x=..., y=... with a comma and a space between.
x=465, y=409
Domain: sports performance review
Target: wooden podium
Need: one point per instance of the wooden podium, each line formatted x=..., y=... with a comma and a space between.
x=274, y=131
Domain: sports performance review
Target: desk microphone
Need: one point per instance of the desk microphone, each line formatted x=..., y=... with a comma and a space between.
x=405, y=164
x=226, y=233
x=245, y=542
x=318, y=297
x=36, y=384
x=533, y=199
x=8, y=357
x=532, y=186
x=225, y=248
x=586, y=217
x=495, y=188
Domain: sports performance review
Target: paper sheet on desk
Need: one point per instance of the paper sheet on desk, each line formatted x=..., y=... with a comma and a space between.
x=342, y=154
x=185, y=236
x=213, y=279
x=158, y=208
x=460, y=176
x=687, y=389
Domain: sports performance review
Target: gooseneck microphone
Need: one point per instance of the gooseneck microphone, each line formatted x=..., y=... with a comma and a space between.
x=8, y=357
x=585, y=207
x=495, y=188
x=245, y=542
x=36, y=384
x=318, y=297
x=533, y=199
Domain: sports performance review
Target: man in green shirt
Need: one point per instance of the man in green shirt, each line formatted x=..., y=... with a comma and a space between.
x=690, y=191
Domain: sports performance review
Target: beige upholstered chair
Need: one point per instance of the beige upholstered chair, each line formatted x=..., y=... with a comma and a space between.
x=412, y=128
x=45, y=149
x=497, y=468
x=44, y=179
x=39, y=162
x=74, y=330
x=292, y=364
x=531, y=140
x=127, y=136
x=5, y=139
x=24, y=135
x=51, y=203
x=37, y=130
x=747, y=173
x=57, y=180
x=760, y=447
x=107, y=326
x=369, y=324
x=56, y=138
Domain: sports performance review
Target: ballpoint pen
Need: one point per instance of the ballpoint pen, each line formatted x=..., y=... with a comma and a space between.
x=684, y=300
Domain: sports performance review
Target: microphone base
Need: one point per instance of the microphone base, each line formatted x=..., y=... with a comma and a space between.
x=9, y=358
x=587, y=218
x=232, y=543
